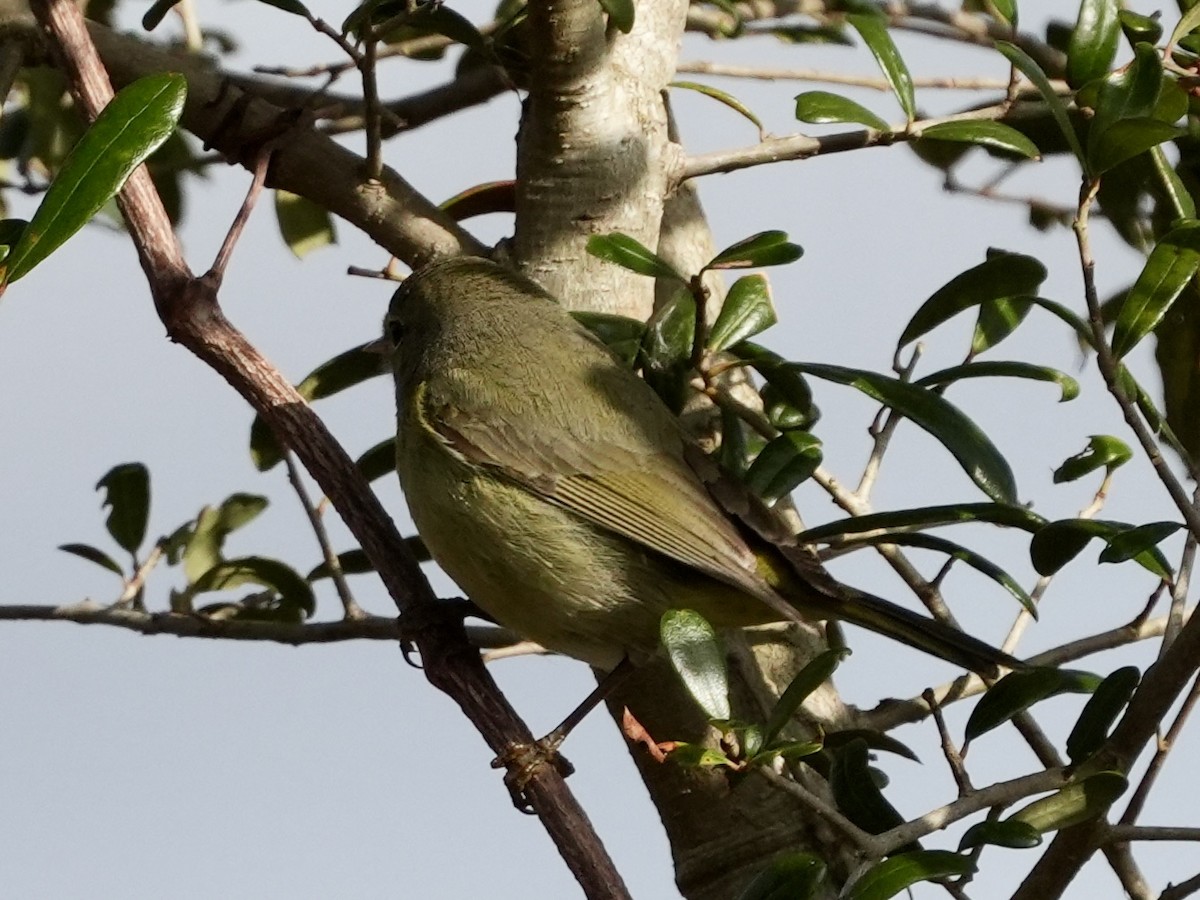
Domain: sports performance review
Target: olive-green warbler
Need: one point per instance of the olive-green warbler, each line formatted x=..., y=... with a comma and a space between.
x=554, y=486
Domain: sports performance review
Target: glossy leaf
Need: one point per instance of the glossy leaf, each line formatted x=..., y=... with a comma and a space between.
x=1132, y=543
x=1103, y=452
x=1172, y=264
x=1026, y=65
x=294, y=592
x=1059, y=542
x=855, y=527
x=993, y=135
x=723, y=97
x=1125, y=140
x=1018, y=691
x=957, y=433
x=137, y=121
x=873, y=30
x=697, y=756
x=1100, y=712
x=630, y=254
x=997, y=320
x=1187, y=23
x=1094, y=40
x=1068, y=385
x=1074, y=803
x=767, y=248
x=824, y=108
x=898, y=873
x=93, y=555
x=1140, y=29
x=345, y=370
x=783, y=414
x=304, y=225
x=480, y=200
x=793, y=876
x=620, y=13
x=964, y=554
x=747, y=311
x=856, y=793
x=1010, y=833
x=815, y=673
x=1002, y=276
x=667, y=348
x=778, y=372
x=782, y=465
x=127, y=495
x=698, y=658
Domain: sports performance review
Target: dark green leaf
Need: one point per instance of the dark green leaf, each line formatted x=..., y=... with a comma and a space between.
x=1186, y=25
x=1001, y=277
x=747, y=311
x=156, y=13
x=722, y=97
x=898, y=873
x=779, y=374
x=856, y=793
x=1069, y=386
x=137, y=121
x=1031, y=70
x=293, y=591
x=1125, y=140
x=997, y=320
x=696, y=654
x=793, y=876
x=875, y=740
x=11, y=231
x=873, y=30
x=783, y=465
x=767, y=248
x=345, y=370
x=959, y=552
x=924, y=517
x=91, y=554
x=1100, y=712
x=1013, y=834
x=993, y=135
x=824, y=108
x=352, y=562
x=1093, y=42
x=1171, y=265
x=620, y=13
x=127, y=495
x=1139, y=28
x=815, y=673
x=295, y=7
x=1017, y=691
x=1059, y=542
x=1133, y=542
x=379, y=461
x=622, y=335
x=629, y=254
x=957, y=433
x=667, y=348
x=1103, y=452
x=1074, y=803
x=784, y=415
x=304, y=225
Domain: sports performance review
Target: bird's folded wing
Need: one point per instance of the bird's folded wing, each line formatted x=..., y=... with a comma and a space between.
x=652, y=498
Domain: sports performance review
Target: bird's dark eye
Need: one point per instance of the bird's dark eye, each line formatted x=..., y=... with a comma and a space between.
x=395, y=331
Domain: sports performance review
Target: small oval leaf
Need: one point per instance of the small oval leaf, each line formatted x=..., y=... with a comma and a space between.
x=993, y=135
x=722, y=97
x=1171, y=265
x=1094, y=40
x=784, y=464
x=1100, y=712
x=747, y=311
x=1012, y=834
x=91, y=554
x=1074, y=803
x=1017, y=691
x=873, y=30
x=767, y=248
x=697, y=656
x=900, y=872
x=824, y=108
x=629, y=254
x=127, y=494
x=1103, y=452
x=304, y=225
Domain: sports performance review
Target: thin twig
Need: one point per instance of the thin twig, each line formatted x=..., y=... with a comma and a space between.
x=862, y=840
x=371, y=112
x=1182, y=890
x=350, y=607
x=883, y=434
x=1124, y=833
x=767, y=73
x=953, y=758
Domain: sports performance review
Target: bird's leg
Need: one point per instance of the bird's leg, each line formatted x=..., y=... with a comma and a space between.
x=522, y=760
